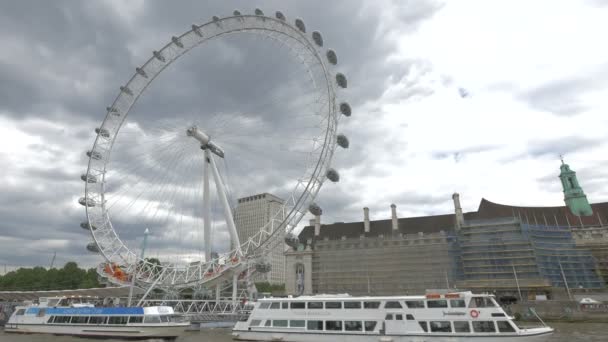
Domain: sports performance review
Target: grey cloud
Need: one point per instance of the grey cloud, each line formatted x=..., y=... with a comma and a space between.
x=461, y=153
x=84, y=51
x=564, y=96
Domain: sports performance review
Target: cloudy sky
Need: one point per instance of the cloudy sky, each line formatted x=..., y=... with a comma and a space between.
x=463, y=96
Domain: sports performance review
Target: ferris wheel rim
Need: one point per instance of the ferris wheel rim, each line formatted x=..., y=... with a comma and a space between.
x=307, y=195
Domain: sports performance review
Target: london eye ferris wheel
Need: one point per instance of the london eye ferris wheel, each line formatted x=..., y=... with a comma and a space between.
x=175, y=165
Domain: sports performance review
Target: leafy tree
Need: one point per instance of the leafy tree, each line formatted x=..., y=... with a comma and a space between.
x=38, y=278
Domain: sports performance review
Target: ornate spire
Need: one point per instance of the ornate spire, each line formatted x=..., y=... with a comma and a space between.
x=574, y=196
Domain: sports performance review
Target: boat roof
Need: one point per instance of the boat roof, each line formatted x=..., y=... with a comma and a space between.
x=347, y=297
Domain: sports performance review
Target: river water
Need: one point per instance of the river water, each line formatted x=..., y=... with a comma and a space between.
x=570, y=332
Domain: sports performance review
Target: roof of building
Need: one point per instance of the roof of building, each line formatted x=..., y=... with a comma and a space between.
x=436, y=223
x=539, y=215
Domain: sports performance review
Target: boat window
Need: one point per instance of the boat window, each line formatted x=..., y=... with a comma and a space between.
x=498, y=314
x=275, y=305
x=51, y=319
x=424, y=326
x=298, y=305
x=388, y=317
x=122, y=320
x=265, y=305
x=164, y=319
x=484, y=326
x=20, y=312
x=80, y=320
x=505, y=326
x=352, y=305
x=255, y=323
x=285, y=305
x=333, y=305
x=399, y=317
x=135, y=319
x=297, y=324
x=279, y=323
x=409, y=317
x=315, y=305
x=98, y=320
x=481, y=302
x=333, y=325
x=414, y=304
x=41, y=313
x=437, y=303
x=371, y=305
x=370, y=325
x=462, y=326
x=268, y=323
x=457, y=303
x=353, y=326
x=392, y=305
x=147, y=319
x=62, y=319
x=314, y=325
x=441, y=326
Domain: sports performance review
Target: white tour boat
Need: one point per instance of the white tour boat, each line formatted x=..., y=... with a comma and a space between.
x=69, y=316
x=461, y=316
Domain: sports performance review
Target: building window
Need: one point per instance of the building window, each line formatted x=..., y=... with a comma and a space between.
x=333, y=325
x=437, y=303
x=353, y=326
x=442, y=326
x=484, y=326
x=462, y=326
x=415, y=304
x=504, y=327
x=314, y=325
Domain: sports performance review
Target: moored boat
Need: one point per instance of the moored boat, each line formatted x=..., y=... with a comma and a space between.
x=56, y=316
x=461, y=316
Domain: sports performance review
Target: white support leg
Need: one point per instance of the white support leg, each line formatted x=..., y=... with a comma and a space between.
x=234, y=237
x=235, y=278
x=207, y=208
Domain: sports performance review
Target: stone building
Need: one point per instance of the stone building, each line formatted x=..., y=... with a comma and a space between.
x=516, y=252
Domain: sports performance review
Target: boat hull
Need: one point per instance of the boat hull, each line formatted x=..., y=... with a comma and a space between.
x=310, y=337
x=122, y=332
